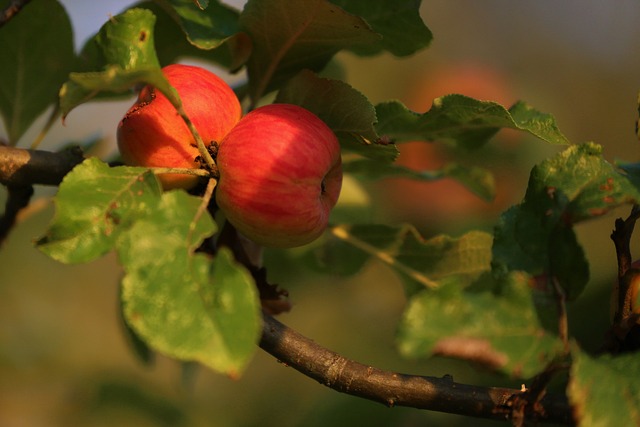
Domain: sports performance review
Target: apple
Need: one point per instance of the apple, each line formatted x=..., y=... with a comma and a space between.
x=152, y=133
x=280, y=175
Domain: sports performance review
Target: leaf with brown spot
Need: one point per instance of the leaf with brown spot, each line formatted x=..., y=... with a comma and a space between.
x=492, y=323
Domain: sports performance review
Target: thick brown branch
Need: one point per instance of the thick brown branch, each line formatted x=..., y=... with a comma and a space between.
x=393, y=389
x=12, y=10
x=21, y=168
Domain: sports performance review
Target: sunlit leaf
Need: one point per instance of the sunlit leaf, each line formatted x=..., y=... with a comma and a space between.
x=127, y=40
x=95, y=204
x=467, y=121
x=180, y=302
x=37, y=53
x=124, y=46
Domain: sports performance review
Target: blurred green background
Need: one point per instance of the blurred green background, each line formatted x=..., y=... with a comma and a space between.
x=65, y=361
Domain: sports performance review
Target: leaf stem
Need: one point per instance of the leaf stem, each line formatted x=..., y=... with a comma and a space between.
x=342, y=233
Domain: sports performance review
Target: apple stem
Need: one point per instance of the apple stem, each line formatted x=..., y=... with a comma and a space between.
x=199, y=142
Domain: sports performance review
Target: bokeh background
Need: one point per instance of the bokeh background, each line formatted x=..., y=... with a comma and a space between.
x=64, y=360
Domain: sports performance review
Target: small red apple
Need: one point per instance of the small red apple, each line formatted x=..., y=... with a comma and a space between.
x=153, y=134
x=280, y=175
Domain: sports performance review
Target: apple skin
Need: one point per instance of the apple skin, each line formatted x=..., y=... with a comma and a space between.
x=280, y=175
x=152, y=133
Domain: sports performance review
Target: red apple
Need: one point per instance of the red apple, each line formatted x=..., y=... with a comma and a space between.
x=152, y=134
x=280, y=175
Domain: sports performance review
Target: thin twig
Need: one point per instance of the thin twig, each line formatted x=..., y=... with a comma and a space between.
x=12, y=10
x=618, y=338
x=394, y=389
x=621, y=236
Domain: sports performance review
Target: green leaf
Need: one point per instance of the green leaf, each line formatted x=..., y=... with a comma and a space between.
x=127, y=40
x=340, y=106
x=83, y=87
x=399, y=22
x=206, y=28
x=501, y=331
x=537, y=236
x=478, y=180
x=95, y=204
x=546, y=249
x=422, y=262
x=467, y=121
x=180, y=302
x=125, y=48
x=37, y=54
x=291, y=35
x=604, y=391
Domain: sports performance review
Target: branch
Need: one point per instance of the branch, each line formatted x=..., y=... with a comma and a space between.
x=22, y=168
x=394, y=389
x=624, y=333
x=12, y=10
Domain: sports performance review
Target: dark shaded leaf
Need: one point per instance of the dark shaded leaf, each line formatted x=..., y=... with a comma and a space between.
x=37, y=54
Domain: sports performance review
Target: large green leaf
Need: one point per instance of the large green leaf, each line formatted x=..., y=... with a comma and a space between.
x=467, y=121
x=180, y=302
x=497, y=329
x=37, y=54
x=94, y=205
x=291, y=35
x=537, y=235
x=398, y=22
x=604, y=391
